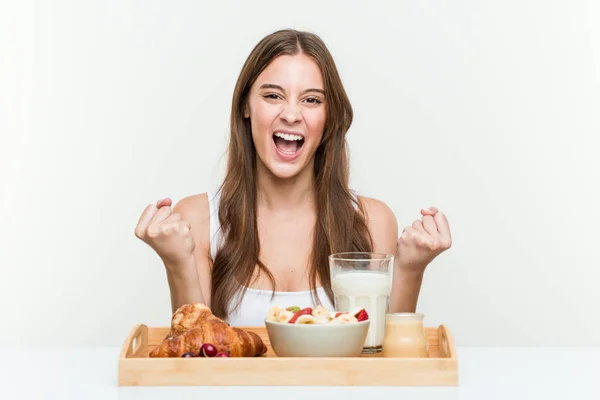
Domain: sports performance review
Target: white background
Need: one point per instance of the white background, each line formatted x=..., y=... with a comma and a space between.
x=489, y=110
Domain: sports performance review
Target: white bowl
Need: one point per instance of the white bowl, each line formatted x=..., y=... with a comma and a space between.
x=317, y=340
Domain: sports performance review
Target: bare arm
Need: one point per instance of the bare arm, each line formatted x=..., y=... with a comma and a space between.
x=418, y=245
x=406, y=285
x=190, y=281
x=184, y=284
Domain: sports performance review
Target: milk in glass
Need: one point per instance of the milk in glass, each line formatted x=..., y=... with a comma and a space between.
x=365, y=289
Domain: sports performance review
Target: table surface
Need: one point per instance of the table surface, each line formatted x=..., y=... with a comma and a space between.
x=484, y=373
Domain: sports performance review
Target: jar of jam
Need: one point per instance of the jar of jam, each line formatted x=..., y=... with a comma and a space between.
x=405, y=336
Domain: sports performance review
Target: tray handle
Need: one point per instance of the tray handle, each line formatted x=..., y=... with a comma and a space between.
x=135, y=341
x=446, y=342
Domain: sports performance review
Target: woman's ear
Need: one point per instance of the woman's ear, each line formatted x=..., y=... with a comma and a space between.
x=246, y=111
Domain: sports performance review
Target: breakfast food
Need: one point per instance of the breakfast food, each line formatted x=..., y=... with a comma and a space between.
x=196, y=330
x=207, y=350
x=285, y=316
x=304, y=319
x=344, y=319
x=318, y=315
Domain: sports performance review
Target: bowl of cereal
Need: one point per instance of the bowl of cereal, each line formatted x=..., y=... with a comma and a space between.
x=316, y=332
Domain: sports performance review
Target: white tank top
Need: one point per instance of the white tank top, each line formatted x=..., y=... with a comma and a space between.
x=256, y=303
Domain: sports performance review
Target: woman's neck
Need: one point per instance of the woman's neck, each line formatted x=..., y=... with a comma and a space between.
x=285, y=194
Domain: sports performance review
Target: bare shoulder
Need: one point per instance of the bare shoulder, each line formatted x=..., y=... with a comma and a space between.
x=377, y=211
x=195, y=210
x=194, y=207
x=382, y=224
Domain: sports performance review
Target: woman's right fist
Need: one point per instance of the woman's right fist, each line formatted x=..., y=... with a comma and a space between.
x=168, y=234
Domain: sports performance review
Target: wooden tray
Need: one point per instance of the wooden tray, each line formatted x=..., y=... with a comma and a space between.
x=137, y=369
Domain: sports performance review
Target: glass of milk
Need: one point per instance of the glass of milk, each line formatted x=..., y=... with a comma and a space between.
x=364, y=280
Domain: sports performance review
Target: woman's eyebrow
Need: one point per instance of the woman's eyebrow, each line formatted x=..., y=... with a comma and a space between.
x=273, y=86
x=315, y=90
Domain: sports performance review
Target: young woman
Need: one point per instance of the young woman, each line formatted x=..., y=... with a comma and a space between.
x=284, y=206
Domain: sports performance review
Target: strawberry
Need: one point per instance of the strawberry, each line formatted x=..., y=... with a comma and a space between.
x=304, y=311
x=362, y=315
x=337, y=314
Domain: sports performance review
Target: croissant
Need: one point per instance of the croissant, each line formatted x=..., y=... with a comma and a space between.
x=194, y=324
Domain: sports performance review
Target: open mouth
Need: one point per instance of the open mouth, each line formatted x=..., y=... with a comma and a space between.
x=288, y=143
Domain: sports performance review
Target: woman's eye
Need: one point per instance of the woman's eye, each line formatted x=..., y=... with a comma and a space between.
x=313, y=100
x=271, y=96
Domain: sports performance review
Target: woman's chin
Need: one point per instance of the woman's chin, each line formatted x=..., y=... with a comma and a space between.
x=284, y=170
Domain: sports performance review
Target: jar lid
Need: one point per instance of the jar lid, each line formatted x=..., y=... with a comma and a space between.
x=404, y=316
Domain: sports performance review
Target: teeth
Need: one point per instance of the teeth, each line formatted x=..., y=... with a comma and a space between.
x=288, y=136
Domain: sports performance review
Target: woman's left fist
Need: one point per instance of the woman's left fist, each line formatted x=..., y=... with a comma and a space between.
x=423, y=241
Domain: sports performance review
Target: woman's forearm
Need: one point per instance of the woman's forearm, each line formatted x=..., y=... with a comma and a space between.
x=406, y=286
x=184, y=284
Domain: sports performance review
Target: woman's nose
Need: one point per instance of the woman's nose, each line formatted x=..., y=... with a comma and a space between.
x=291, y=113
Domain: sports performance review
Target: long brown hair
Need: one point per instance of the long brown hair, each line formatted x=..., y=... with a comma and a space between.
x=339, y=227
